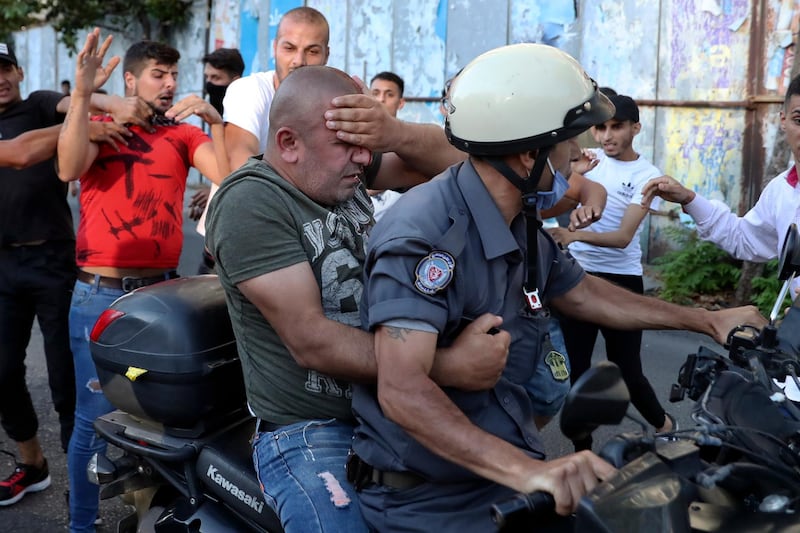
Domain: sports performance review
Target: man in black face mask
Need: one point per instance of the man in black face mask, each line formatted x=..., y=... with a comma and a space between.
x=220, y=68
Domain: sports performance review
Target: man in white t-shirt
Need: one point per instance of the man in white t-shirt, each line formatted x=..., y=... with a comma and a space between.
x=610, y=249
x=388, y=88
x=302, y=39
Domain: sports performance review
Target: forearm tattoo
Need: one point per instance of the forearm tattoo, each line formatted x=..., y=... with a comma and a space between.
x=397, y=333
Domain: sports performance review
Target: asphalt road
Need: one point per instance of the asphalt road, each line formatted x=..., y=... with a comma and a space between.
x=46, y=512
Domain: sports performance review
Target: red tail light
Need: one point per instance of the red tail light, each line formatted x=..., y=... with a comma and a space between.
x=106, y=318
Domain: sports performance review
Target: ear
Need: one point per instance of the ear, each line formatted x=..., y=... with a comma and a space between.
x=637, y=127
x=402, y=103
x=21, y=73
x=130, y=83
x=783, y=121
x=528, y=159
x=289, y=144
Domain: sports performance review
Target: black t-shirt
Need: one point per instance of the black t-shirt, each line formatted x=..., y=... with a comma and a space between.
x=33, y=201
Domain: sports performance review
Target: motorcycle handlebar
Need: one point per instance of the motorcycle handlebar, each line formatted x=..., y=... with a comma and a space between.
x=536, y=504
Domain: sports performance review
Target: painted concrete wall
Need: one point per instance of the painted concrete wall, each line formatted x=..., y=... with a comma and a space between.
x=669, y=50
x=695, y=50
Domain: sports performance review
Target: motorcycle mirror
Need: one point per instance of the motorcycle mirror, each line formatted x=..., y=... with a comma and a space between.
x=789, y=264
x=599, y=397
x=788, y=267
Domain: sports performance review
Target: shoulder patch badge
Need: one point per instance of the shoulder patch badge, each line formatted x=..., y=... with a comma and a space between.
x=434, y=272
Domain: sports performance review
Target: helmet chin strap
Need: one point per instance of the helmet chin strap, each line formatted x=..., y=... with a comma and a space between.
x=528, y=188
x=528, y=185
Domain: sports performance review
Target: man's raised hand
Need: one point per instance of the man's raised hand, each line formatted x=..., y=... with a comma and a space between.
x=90, y=74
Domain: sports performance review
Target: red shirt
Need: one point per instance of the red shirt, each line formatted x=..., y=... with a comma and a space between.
x=132, y=200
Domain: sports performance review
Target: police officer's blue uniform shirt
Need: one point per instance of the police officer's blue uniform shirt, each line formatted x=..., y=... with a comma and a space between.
x=444, y=253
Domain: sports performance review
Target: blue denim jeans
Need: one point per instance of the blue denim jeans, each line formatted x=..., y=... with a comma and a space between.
x=88, y=302
x=549, y=386
x=301, y=468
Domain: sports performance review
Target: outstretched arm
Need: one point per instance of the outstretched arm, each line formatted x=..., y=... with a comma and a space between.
x=599, y=301
x=412, y=152
x=756, y=236
x=210, y=159
x=76, y=152
x=474, y=362
x=667, y=188
x=619, y=238
x=405, y=390
x=240, y=145
x=592, y=198
x=589, y=194
x=29, y=148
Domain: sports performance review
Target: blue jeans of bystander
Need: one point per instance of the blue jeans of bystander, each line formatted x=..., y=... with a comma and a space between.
x=88, y=303
x=550, y=383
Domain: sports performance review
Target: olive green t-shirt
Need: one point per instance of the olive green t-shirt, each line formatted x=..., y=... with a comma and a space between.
x=259, y=223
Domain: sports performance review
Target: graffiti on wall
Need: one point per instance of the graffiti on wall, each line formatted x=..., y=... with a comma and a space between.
x=704, y=149
x=706, y=48
x=693, y=50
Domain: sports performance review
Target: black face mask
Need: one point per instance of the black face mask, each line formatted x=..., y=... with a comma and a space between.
x=215, y=95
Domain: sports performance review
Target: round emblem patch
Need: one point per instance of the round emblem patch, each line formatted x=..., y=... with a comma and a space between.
x=434, y=272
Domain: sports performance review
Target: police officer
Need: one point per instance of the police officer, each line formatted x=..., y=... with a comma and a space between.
x=430, y=458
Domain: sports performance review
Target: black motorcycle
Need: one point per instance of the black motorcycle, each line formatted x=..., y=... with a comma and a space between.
x=166, y=359
x=737, y=470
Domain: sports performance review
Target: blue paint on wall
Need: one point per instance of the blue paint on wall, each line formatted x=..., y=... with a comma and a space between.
x=441, y=20
x=440, y=29
x=556, y=12
x=248, y=35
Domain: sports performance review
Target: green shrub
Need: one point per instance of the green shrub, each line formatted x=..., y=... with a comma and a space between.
x=697, y=267
x=766, y=288
x=700, y=267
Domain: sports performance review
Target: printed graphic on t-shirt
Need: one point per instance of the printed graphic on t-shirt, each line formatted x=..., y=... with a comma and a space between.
x=336, y=248
x=626, y=190
x=134, y=199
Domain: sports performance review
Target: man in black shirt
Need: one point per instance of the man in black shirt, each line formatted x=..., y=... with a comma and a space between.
x=37, y=261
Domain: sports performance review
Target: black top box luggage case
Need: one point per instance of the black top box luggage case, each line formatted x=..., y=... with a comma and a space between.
x=167, y=353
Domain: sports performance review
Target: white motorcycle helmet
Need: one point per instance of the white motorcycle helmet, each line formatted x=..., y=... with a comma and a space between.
x=521, y=97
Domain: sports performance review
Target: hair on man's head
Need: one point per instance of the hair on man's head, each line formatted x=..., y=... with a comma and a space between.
x=307, y=15
x=392, y=77
x=608, y=91
x=226, y=59
x=140, y=53
x=793, y=89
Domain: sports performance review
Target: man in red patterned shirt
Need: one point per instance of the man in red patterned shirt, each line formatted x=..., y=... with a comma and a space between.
x=130, y=232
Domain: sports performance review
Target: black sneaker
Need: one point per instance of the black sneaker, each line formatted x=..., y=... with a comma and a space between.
x=24, y=479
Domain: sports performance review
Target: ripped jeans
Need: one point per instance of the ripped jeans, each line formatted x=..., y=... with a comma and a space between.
x=301, y=468
x=88, y=302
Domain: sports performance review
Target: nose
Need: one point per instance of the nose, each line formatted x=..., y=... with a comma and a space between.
x=361, y=155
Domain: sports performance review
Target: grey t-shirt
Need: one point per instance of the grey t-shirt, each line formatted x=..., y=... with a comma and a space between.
x=259, y=223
